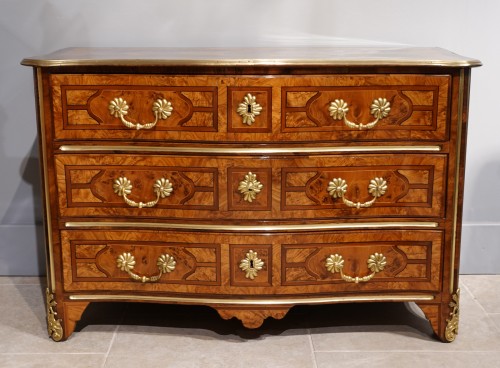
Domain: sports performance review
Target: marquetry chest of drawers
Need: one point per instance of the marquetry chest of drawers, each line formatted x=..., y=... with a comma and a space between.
x=252, y=180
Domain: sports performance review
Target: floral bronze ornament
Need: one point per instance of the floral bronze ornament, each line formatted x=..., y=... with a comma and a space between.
x=251, y=265
x=123, y=187
x=338, y=109
x=334, y=263
x=337, y=188
x=54, y=327
x=125, y=262
x=377, y=187
x=376, y=263
x=162, y=108
x=249, y=109
x=250, y=187
x=451, y=331
x=379, y=108
x=119, y=108
x=165, y=263
x=163, y=187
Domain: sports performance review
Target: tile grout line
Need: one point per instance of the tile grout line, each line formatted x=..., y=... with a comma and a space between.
x=110, y=346
x=490, y=318
x=311, y=345
x=463, y=285
x=52, y=353
x=409, y=351
x=473, y=297
x=115, y=333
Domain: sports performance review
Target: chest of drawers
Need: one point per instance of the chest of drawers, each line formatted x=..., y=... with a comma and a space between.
x=252, y=180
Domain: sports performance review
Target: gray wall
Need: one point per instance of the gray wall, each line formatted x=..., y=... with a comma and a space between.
x=30, y=27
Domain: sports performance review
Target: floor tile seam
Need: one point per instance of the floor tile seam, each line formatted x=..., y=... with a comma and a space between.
x=113, y=338
x=471, y=294
x=311, y=345
x=55, y=353
x=477, y=300
x=410, y=351
x=490, y=316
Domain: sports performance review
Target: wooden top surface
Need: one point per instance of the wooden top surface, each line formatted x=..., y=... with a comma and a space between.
x=264, y=56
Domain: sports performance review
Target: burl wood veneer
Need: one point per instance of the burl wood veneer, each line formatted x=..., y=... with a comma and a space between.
x=252, y=180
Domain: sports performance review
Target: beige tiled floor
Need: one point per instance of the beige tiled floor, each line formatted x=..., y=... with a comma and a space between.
x=148, y=335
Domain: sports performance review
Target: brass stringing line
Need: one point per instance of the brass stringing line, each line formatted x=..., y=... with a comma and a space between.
x=50, y=260
x=457, y=177
x=296, y=301
x=232, y=228
x=204, y=150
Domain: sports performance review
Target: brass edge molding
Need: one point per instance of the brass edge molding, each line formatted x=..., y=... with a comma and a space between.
x=49, y=63
x=243, y=150
x=51, y=281
x=318, y=55
x=457, y=179
x=53, y=63
x=262, y=228
x=253, y=302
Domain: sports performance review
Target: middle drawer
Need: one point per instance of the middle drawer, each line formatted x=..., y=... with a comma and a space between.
x=251, y=187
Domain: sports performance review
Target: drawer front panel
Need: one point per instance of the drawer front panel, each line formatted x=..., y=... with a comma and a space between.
x=351, y=113
x=330, y=186
x=289, y=263
x=351, y=261
x=132, y=257
x=131, y=107
x=251, y=108
x=96, y=186
x=187, y=108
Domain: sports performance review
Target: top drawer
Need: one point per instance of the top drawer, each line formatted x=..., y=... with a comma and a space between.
x=323, y=108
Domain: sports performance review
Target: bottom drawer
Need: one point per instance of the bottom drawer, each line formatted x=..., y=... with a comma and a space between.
x=226, y=264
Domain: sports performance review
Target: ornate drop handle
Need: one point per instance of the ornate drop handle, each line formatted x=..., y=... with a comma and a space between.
x=119, y=108
x=376, y=263
x=249, y=109
x=126, y=262
x=162, y=187
x=251, y=265
x=338, y=187
x=250, y=187
x=379, y=108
